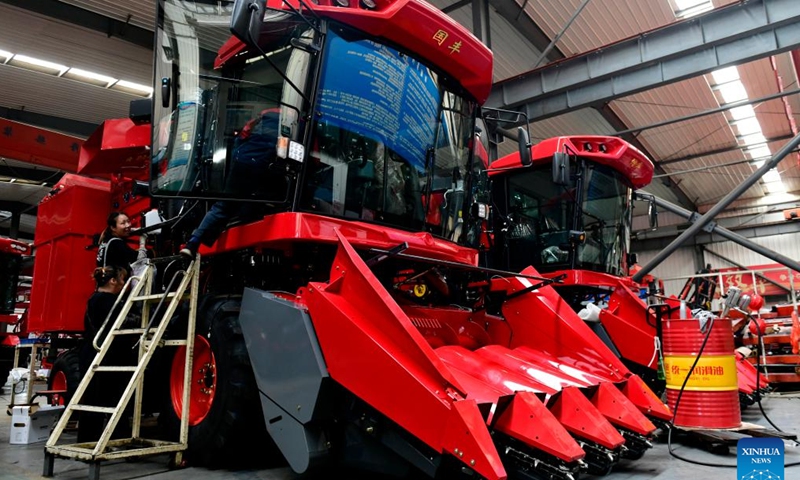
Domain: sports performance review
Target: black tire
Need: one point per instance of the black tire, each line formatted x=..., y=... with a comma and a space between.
x=67, y=368
x=6, y=364
x=233, y=433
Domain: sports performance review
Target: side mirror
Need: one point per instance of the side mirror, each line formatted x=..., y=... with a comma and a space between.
x=524, y=146
x=561, y=172
x=246, y=20
x=652, y=213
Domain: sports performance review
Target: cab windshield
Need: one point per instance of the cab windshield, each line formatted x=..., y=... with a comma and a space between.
x=390, y=139
x=541, y=216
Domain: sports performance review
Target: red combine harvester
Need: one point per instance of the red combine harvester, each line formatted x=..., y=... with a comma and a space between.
x=569, y=215
x=12, y=256
x=336, y=317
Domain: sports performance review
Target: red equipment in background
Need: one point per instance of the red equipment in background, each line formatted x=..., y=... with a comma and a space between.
x=13, y=300
x=577, y=226
x=67, y=222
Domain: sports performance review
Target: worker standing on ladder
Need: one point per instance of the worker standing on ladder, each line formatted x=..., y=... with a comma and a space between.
x=109, y=281
x=114, y=249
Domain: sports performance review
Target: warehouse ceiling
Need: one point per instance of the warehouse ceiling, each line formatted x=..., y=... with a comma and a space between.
x=100, y=59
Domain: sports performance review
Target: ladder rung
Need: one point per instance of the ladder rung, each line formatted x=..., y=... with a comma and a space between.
x=93, y=408
x=158, y=296
x=132, y=331
x=174, y=343
x=100, y=368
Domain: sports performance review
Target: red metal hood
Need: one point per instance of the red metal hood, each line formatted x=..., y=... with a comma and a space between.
x=118, y=146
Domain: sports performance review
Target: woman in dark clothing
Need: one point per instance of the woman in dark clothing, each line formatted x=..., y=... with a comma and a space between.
x=109, y=281
x=114, y=249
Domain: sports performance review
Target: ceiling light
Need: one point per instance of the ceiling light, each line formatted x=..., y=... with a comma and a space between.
x=753, y=139
x=5, y=55
x=90, y=77
x=772, y=198
x=775, y=187
x=771, y=176
x=690, y=8
x=725, y=75
x=732, y=91
x=38, y=65
x=135, y=88
x=745, y=111
x=747, y=126
x=761, y=151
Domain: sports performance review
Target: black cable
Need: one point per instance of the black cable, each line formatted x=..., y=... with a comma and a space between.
x=758, y=373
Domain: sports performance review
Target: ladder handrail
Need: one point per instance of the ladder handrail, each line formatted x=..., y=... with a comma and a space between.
x=134, y=291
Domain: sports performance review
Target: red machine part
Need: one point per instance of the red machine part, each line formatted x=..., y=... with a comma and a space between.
x=117, y=146
x=611, y=151
x=282, y=229
x=38, y=146
x=607, y=398
x=570, y=340
x=368, y=341
x=9, y=245
x=62, y=280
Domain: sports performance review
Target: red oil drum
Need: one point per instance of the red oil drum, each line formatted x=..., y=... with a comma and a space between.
x=711, y=396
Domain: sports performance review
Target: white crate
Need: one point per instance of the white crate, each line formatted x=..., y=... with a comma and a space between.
x=29, y=428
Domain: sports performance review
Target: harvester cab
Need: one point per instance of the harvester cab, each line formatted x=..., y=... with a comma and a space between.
x=315, y=110
x=571, y=209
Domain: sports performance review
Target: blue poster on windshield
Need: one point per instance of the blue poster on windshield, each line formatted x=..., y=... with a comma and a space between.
x=381, y=94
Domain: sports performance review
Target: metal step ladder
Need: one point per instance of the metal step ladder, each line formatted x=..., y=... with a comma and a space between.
x=153, y=326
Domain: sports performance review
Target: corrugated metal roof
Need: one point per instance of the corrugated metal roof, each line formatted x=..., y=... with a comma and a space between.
x=71, y=46
x=141, y=13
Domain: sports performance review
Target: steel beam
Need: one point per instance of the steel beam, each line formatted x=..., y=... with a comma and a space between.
x=706, y=219
x=50, y=122
x=38, y=175
x=739, y=33
x=480, y=21
x=716, y=209
x=649, y=241
x=514, y=14
x=64, y=12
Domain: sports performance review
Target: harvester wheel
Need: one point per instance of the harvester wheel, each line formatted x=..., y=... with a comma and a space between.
x=226, y=426
x=6, y=363
x=65, y=375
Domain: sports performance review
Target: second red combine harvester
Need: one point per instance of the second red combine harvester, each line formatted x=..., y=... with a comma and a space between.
x=337, y=316
x=569, y=216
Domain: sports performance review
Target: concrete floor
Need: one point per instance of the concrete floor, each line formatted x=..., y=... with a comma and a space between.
x=24, y=462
